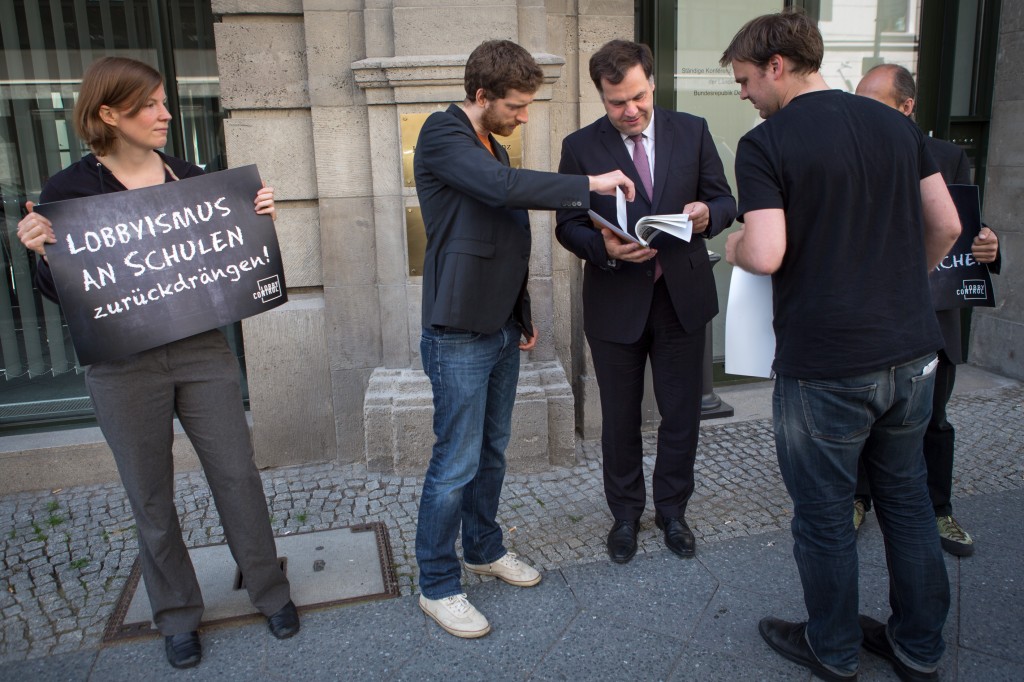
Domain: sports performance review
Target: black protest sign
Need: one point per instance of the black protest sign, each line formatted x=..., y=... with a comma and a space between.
x=960, y=281
x=140, y=268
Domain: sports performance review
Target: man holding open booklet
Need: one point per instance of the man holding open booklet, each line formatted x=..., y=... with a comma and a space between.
x=647, y=228
x=642, y=303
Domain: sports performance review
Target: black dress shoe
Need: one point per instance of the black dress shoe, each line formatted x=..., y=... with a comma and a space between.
x=678, y=536
x=284, y=623
x=788, y=640
x=622, y=541
x=877, y=642
x=183, y=650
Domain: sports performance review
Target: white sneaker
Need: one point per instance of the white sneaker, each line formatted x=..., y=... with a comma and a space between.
x=456, y=615
x=510, y=569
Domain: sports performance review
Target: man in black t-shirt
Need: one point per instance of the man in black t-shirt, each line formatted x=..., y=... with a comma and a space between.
x=843, y=206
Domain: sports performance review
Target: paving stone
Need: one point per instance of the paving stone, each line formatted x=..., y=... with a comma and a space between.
x=557, y=520
x=643, y=655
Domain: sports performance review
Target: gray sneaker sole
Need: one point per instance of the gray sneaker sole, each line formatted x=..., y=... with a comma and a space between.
x=518, y=583
x=956, y=548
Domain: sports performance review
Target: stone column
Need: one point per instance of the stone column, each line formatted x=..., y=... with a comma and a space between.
x=261, y=56
x=398, y=405
x=997, y=332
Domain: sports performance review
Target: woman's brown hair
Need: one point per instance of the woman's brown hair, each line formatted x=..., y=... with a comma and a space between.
x=119, y=83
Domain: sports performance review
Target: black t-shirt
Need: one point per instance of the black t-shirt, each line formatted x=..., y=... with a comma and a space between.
x=851, y=295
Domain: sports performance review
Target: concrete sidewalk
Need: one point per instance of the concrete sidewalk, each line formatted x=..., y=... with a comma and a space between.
x=658, y=617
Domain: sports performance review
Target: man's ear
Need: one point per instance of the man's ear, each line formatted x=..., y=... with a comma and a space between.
x=776, y=65
x=481, y=97
x=907, y=106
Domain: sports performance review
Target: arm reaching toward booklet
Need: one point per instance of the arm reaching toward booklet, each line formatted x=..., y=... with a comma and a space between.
x=613, y=182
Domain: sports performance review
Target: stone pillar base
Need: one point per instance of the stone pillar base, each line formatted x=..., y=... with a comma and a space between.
x=398, y=415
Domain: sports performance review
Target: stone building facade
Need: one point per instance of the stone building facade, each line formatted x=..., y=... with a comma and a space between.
x=997, y=337
x=315, y=92
x=316, y=89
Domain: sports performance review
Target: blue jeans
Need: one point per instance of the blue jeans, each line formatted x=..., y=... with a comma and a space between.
x=474, y=379
x=822, y=427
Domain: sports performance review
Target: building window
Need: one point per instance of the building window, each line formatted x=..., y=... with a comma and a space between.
x=47, y=45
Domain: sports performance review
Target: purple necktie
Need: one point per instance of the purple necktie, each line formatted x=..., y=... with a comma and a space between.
x=643, y=168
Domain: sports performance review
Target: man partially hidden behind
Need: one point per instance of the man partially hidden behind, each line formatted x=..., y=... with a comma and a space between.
x=893, y=85
x=475, y=309
x=845, y=208
x=644, y=303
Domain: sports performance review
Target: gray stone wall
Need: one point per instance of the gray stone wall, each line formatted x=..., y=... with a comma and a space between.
x=264, y=63
x=314, y=90
x=577, y=30
x=997, y=341
x=290, y=75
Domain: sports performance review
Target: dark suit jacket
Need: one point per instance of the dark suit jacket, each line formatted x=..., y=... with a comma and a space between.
x=616, y=300
x=478, y=230
x=956, y=170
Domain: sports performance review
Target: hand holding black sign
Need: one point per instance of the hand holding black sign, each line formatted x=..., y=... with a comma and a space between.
x=141, y=268
x=960, y=281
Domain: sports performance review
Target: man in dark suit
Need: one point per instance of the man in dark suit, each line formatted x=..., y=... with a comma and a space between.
x=641, y=303
x=893, y=85
x=475, y=309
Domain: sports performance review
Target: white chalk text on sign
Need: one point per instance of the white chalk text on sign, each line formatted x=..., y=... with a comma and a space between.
x=140, y=268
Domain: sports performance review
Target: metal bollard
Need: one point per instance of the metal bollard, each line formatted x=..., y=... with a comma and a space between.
x=711, y=406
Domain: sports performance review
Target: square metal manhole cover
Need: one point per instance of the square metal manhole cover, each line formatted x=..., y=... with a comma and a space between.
x=324, y=568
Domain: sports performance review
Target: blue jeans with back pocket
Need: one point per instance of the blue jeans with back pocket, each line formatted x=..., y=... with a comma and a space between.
x=822, y=427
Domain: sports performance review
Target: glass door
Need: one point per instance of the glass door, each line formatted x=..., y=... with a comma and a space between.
x=703, y=88
x=857, y=35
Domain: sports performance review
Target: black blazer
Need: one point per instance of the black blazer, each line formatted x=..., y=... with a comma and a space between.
x=687, y=168
x=956, y=170
x=478, y=229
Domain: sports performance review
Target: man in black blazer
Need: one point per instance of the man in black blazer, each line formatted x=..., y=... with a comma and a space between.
x=475, y=309
x=641, y=303
x=894, y=85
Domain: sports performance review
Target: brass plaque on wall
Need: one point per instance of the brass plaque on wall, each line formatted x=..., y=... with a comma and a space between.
x=416, y=239
x=410, y=125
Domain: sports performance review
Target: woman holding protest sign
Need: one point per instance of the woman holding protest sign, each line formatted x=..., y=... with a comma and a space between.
x=121, y=115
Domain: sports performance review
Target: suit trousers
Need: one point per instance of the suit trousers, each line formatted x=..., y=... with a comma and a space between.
x=676, y=364
x=135, y=399
x=939, y=440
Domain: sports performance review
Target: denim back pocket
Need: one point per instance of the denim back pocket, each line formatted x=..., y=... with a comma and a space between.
x=836, y=412
x=920, y=403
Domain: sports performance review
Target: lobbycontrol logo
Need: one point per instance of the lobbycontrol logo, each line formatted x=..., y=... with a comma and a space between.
x=973, y=289
x=269, y=289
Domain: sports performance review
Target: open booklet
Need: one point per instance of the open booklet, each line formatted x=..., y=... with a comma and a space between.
x=647, y=228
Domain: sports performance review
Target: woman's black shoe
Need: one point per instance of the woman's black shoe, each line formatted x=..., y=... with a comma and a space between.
x=183, y=650
x=284, y=623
